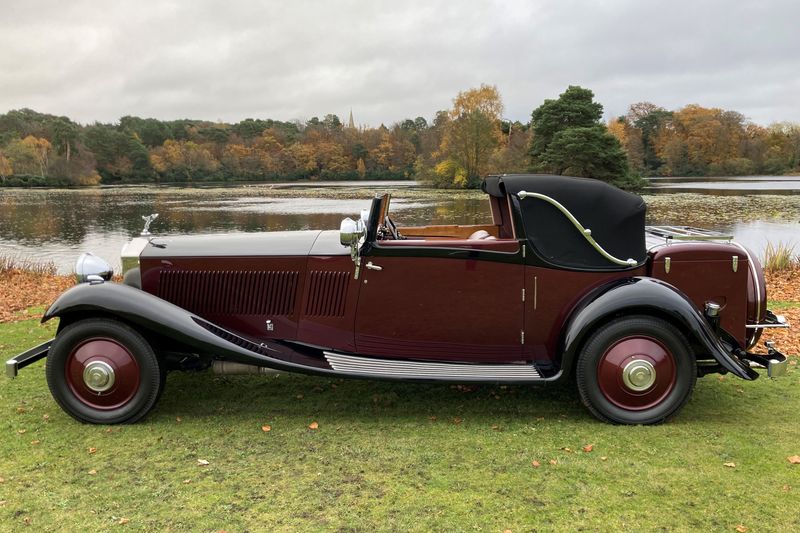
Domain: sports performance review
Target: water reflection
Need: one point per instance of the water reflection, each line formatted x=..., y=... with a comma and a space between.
x=56, y=225
x=727, y=186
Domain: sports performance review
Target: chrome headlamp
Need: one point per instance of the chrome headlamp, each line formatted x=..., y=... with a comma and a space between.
x=90, y=267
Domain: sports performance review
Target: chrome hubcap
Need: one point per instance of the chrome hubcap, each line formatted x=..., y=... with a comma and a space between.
x=639, y=375
x=98, y=376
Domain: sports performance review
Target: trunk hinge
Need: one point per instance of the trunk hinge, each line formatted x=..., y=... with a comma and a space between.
x=523, y=251
x=522, y=336
x=523, y=295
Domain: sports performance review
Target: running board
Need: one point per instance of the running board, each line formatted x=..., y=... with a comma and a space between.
x=426, y=370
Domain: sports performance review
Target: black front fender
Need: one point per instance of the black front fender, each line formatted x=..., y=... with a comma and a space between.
x=648, y=296
x=150, y=313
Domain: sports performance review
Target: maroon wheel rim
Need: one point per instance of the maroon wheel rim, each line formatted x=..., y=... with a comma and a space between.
x=636, y=373
x=102, y=373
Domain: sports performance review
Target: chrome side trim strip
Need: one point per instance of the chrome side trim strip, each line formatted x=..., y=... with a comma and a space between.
x=587, y=233
x=353, y=364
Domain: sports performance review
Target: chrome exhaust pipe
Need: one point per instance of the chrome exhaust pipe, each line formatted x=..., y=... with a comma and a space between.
x=230, y=368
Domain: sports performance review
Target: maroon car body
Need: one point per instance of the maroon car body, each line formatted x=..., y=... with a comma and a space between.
x=566, y=283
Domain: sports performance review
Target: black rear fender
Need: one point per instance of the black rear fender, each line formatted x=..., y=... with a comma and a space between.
x=647, y=296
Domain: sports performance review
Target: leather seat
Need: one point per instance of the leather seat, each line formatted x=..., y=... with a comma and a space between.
x=480, y=235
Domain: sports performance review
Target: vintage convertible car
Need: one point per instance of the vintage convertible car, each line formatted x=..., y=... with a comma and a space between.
x=565, y=283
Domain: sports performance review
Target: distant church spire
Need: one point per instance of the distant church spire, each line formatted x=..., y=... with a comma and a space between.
x=350, y=123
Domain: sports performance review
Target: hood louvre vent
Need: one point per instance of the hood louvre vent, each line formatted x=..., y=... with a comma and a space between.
x=327, y=293
x=228, y=292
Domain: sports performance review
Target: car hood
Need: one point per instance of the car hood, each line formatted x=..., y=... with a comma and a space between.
x=274, y=243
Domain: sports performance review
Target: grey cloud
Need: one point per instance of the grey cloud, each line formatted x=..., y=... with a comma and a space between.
x=392, y=60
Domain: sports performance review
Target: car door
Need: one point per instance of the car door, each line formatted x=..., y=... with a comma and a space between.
x=442, y=301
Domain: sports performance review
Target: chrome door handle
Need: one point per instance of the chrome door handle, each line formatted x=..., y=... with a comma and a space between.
x=370, y=266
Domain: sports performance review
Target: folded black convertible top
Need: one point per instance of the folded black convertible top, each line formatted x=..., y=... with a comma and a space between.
x=616, y=218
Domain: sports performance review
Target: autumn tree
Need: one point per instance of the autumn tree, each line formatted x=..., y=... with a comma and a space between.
x=186, y=159
x=6, y=169
x=41, y=149
x=702, y=141
x=472, y=132
x=647, y=118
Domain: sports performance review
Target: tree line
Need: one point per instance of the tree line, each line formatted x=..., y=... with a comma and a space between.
x=456, y=148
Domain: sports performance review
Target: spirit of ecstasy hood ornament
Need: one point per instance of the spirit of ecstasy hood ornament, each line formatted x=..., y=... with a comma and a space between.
x=147, y=221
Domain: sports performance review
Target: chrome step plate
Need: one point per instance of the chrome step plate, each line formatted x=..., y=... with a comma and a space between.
x=400, y=369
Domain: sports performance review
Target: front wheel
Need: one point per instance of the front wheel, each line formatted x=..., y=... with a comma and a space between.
x=636, y=370
x=102, y=371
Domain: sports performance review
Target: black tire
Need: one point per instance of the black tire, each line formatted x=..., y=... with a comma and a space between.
x=605, y=383
x=138, y=373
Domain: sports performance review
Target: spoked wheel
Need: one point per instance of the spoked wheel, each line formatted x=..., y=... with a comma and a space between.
x=104, y=372
x=636, y=370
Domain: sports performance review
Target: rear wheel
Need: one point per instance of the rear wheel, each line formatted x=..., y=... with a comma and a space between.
x=102, y=371
x=636, y=370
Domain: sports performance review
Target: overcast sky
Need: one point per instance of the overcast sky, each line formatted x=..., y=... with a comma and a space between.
x=98, y=61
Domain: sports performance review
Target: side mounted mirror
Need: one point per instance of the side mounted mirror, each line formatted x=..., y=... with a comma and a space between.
x=350, y=234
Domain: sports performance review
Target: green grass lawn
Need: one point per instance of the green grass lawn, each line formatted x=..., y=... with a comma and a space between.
x=392, y=456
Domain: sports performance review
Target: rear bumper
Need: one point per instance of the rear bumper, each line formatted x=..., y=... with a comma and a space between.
x=775, y=362
x=14, y=365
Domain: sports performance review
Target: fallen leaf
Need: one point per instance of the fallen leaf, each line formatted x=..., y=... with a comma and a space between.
x=92, y=450
x=313, y=425
x=299, y=396
x=20, y=410
x=45, y=417
x=108, y=430
x=786, y=488
x=27, y=520
x=22, y=431
x=588, y=448
x=2, y=481
x=553, y=462
x=741, y=529
x=432, y=418
x=506, y=531
x=202, y=462
x=92, y=472
x=729, y=465
x=187, y=481
x=539, y=418
x=35, y=442
x=457, y=420
x=2, y=503
x=178, y=419
x=568, y=450
x=495, y=427
x=721, y=378
x=536, y=464
x=794, y=459
x=123, y=521
x=266, y=428
x=604, y=458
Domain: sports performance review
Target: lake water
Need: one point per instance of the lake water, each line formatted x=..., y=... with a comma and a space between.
x=57, y=225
